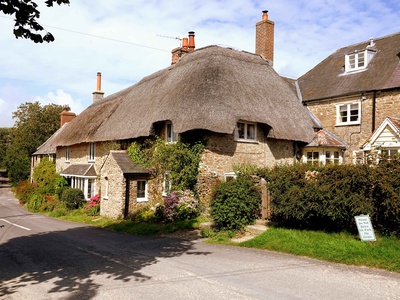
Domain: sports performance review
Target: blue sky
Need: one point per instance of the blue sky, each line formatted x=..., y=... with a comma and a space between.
x=128, y=40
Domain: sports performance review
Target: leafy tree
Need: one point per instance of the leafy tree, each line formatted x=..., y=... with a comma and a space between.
x=5, y=134
x=26, y=15
x=33, y=126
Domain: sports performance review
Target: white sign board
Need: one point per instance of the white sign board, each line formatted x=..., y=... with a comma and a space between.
x=365, y=229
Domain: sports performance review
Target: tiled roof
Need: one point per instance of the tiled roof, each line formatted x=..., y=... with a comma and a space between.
x=328, y=78
x=126, y=164
x=324, y=138
x=86, y=170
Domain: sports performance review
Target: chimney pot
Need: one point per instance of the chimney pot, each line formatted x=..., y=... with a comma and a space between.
x=98, y=94
x=265, y=15
x=185, y=43
x=191, y=41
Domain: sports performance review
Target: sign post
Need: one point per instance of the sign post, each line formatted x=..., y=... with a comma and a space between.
x=365, y=229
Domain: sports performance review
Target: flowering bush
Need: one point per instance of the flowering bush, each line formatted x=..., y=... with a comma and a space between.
x=180, y=205
x=93, y=208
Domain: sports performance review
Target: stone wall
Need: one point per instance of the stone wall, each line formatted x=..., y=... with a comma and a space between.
x=387, y=104
x=223, y=153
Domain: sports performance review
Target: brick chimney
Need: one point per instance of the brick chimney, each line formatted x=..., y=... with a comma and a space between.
x=265, y=38
x=98, y=94
x=188, y=45
x=66, y=116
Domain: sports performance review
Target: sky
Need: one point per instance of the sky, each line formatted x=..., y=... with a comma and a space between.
x=127, y=40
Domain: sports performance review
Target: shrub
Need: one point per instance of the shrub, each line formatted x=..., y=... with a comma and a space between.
x=180, y=205
x=93, y=208
x=236, y=203
x=36, y=202
x=73, y=198
x=45, y=176
x=24, y=191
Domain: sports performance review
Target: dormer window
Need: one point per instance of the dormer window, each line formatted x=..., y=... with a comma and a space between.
x=358, y=60
x=246, y=131
x=170, y=135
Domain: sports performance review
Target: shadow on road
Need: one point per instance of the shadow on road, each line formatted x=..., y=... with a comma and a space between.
x=78, y=261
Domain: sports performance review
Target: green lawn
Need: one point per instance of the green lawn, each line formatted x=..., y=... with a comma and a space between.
x=334, y=247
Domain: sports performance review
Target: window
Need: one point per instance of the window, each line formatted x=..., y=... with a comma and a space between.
x=170, y=135
x=389, y=154
x=332, y=157
x=167, y=184
x=230, y=176
x=91, y=152
x=313, y=158
x=106, y=188
x=245, y=131
x=141, y=191
x=67, y=153
x=86, y=184
x=358, y=60
x=349, y=113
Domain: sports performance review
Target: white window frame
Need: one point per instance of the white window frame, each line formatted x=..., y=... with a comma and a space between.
x=358, y=60
x=170, y=135
x=82, y=183
x=314, y=160
x=244, y=134
x=67, y=154
x=229, y=176
x=348, y=108
x=141, y=199
x=92, y=152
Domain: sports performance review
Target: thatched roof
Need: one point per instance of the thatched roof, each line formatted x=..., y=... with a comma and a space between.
x=328, y=78
x=211, y=88
x=50, y=145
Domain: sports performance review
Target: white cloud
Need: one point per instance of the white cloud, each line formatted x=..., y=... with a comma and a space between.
x=131, y=48
x=61, y=98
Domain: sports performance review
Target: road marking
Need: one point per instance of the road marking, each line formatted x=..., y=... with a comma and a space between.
x=15, y=224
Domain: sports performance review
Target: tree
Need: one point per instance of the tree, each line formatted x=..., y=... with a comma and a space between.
x=5, y=134
x=33, y=126
x=26, y=15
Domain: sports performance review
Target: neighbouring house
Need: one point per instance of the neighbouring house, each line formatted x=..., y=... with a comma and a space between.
x=354, y=89
x=385, y=141
x=234, y=100
x=48, y=148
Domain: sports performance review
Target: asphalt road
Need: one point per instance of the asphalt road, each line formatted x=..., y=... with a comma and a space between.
x=44, y=258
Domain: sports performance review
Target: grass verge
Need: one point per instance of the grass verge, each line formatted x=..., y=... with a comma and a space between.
x=333, y=247
x=129, y=226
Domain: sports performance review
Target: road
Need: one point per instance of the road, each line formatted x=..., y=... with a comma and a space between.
x=45, y=258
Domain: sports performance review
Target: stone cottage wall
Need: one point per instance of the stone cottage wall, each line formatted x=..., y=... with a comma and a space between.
x=112, y=204
x=387, y=104
x=223, y=153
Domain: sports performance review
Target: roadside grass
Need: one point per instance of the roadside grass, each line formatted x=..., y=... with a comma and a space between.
x=130, y=226
x=333, y=247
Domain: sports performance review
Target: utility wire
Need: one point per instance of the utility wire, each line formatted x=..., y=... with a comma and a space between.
x=99, y=37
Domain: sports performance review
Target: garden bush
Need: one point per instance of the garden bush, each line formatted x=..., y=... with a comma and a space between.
x=93, y=207
x=24, y=191
x=235, y=204
x=73, y=198
x=45, y=177
x=178, y=206
x=328, y=198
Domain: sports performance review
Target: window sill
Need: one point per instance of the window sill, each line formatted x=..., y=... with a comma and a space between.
x=142, y=200
x=347, y=124
x=105, y=198
x=247, y=141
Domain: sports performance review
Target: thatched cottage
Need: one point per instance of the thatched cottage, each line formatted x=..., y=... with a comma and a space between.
x=234, y=100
